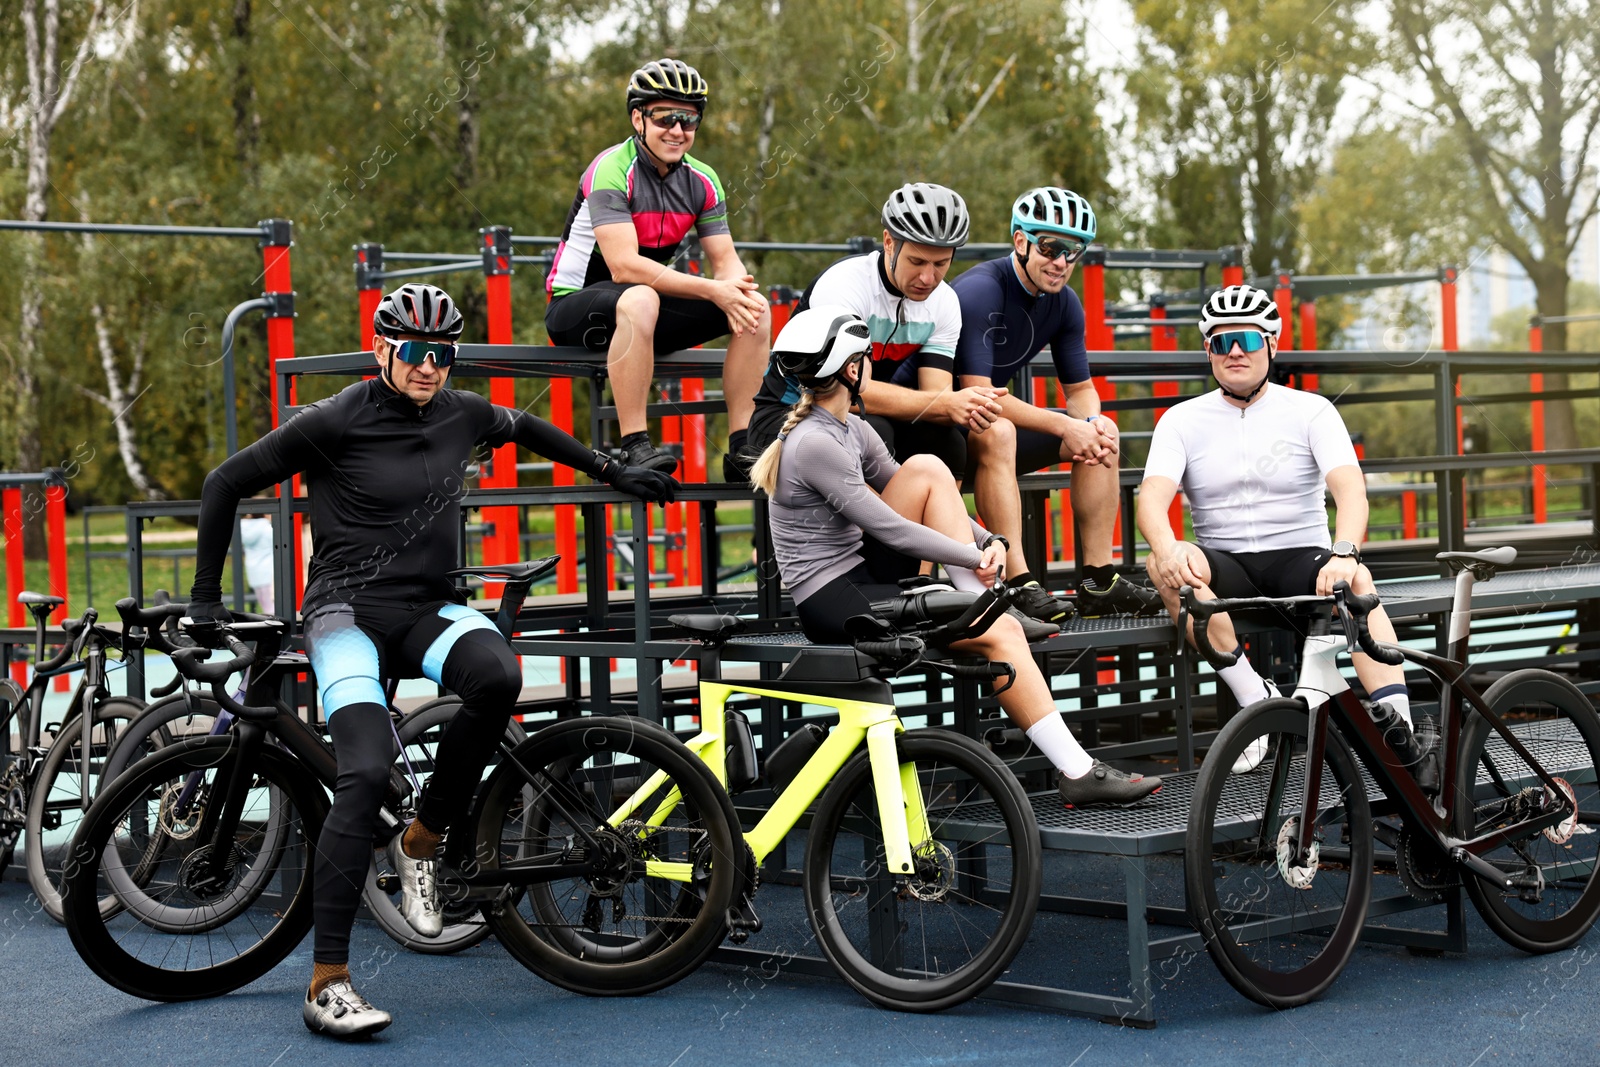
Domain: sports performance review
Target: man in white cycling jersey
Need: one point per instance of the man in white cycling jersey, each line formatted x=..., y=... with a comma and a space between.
x=1254, y=460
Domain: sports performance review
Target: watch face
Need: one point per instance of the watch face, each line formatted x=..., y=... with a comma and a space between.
x=1344, y=548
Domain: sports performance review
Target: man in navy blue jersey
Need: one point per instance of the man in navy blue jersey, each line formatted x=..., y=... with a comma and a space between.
x=1011, y=308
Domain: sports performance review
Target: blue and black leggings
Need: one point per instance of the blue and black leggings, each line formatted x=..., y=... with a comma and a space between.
x=449, y=644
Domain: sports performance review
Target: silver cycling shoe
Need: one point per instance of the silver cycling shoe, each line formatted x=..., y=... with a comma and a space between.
x=419, y=890
x=339, y=1011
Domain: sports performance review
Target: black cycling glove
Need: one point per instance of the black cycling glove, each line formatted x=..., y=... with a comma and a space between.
x=205, y=605
x=653, y=486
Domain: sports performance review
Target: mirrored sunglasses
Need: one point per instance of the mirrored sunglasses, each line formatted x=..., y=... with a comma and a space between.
x=1220, y=344
x=1055, y=247
x=417, y=352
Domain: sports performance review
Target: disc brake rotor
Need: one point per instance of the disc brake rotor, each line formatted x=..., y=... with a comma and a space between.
x=935, y=873
x=1296, y=875
x=180, y=827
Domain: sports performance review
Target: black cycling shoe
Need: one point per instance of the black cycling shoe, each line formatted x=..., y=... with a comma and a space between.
x=641, y=453
x=1034, y=629
x=1105, y=785
x=1035, y=602
x=1123, y=598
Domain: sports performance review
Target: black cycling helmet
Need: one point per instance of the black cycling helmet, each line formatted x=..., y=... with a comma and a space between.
x=927, y=214
x=420, y=310
x=817, y=345
x=667, y=79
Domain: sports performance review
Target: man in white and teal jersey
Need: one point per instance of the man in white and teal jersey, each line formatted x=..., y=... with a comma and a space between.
x=914, y=319
x=612, y=287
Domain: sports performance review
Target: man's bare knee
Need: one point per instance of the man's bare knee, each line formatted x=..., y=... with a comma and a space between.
x=640, y=305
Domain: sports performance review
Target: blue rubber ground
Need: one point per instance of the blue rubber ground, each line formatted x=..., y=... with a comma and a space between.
x=1492, y=1005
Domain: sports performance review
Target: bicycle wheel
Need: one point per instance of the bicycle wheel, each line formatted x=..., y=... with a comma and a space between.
x=57, y=804
x=938, y=937
x=464, y=926
x=180, y=935
x=170, y=719
x=1279, y=932
x=1556, y=723
x=615, y=927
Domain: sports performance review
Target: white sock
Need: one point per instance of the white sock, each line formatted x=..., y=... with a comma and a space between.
x=1248, y=687
x=965, y=579
x=1398, y=698
x=1053, y=737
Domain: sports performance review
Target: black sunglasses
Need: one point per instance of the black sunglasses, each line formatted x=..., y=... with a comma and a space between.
x=670, y=117
x=1053, y=248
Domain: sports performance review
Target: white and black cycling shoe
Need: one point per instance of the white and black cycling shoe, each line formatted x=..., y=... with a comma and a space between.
x=339, y=1011
x=419, y=890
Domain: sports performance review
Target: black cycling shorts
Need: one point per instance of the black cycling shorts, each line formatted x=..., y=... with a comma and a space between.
x=824, y=613
x=588, y=318
x=1279, y=572
x=907, y=439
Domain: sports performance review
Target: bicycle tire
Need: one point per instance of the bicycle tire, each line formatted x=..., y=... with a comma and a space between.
x=128, y=820
x=1567, y=739
x=464, y=925
x=937, y=917
x=58, y=790
x=162, y=723
x=1270, y=952
x=566, y=781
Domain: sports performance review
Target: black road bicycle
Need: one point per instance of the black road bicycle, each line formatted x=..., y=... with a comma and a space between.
x=1278, y=861
x=206, y=845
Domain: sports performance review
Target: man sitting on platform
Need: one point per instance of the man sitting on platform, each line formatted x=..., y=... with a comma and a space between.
x=612, y=287
x=1254, y=460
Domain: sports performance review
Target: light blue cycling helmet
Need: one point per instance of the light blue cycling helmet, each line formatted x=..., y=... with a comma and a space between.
x=1053, y=210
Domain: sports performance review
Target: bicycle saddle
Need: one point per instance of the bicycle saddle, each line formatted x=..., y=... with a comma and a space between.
x=41, y=599
x=529, y=570
x=1483, y=563
x=711, y=628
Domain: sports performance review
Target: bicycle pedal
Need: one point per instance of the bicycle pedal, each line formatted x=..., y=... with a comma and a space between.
x=742, y=922
x=389, y=883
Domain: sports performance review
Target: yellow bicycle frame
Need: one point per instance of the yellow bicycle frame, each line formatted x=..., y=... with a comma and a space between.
x=900, y=810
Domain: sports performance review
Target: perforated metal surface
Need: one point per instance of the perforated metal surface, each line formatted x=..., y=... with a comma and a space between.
x=1115, y=624
x=1160, y=823
x=1506, y=588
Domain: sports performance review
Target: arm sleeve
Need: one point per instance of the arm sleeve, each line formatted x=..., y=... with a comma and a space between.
x=308, y=440
x=544, y=438
x=835, y=473
x=877, y=465
x=1067, y=346
x=605, y=188
x=1329, y=439
x=982, y=325
x=832, y=287
x=1168, y=457
x=938, y=352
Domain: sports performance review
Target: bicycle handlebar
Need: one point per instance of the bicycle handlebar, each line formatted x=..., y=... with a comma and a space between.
x=1351, y=609
x=894, y=649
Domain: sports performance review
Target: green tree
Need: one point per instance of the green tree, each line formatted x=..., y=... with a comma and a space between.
x=1235, y=100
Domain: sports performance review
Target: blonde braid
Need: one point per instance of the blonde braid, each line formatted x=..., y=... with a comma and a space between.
x=764, y=475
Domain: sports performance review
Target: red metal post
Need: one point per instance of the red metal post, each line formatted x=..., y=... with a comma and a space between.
x=1308, y=325
x=55, y=518
x=1408, y=515
x=1536, y=418
x=1284, y=295
x=566, y=514
x=1097, y=332
x=1447, y=306
x=11, y=510
x=1162, y=338
x=277, y=237
x=1233, y=264
x=694, y=462
x=503, y=544
x=369, y=287
x=672, y=434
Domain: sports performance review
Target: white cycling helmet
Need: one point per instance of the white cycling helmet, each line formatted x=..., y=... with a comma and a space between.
x=818, y=343
x=1241, y=305
x=927, y=214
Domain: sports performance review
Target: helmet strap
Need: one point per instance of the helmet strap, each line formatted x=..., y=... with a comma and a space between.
x=1251, y=395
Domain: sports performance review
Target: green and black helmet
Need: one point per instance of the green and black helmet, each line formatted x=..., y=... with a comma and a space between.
x=666, y=79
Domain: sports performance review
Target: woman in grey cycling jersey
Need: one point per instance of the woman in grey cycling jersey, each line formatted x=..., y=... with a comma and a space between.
x=832, y=482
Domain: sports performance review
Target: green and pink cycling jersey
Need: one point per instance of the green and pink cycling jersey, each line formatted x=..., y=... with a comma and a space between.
x=621, y=186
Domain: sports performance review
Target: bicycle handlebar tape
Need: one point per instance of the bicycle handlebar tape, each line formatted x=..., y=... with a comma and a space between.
x=1201, y=611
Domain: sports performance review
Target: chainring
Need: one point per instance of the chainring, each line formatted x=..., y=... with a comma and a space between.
x=1424, y=869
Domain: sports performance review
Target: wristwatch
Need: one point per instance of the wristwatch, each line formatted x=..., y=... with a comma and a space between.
x=1347, y=549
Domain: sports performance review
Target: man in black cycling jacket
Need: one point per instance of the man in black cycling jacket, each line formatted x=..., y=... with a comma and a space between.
x=386, y=462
